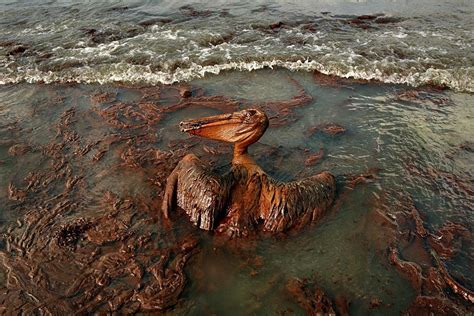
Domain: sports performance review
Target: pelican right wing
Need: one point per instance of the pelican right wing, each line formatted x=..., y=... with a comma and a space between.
x=201, y=193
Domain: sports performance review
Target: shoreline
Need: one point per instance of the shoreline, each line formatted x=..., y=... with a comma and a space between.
x=205, y=74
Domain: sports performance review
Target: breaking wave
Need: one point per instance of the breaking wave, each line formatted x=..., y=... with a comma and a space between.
x=458, y=80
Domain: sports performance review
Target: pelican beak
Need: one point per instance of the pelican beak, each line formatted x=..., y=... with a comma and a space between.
x=233, y=127
x=194, y=125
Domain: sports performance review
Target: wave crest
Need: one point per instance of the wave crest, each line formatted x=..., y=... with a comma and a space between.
x=458, y=80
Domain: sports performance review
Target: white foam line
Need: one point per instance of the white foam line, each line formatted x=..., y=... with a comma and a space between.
x=122, y=72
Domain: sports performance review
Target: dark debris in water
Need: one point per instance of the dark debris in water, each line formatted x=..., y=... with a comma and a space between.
x=7, y=43
x=368, y=21
x=431, y=97
x=102, y=36
x=155, y=21
x=331, y=129
x=417, y=255
x=19, y=149
x=102, y=253
x=445, y=182
x=70, y=234
x=314, y=158
x=314, y=300
x=17, y=50
x=190, y=11
x=282, y=112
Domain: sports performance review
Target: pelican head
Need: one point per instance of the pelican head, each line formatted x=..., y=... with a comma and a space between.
x=241, y=128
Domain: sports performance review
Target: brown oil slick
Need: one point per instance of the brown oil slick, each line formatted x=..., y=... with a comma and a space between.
x=416, y=253
x=313, y=300
x=74, y=251
x=79, y=239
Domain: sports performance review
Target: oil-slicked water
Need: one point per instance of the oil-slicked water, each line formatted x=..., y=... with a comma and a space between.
x=412, y=42
x=102, y=154
x=89, y=134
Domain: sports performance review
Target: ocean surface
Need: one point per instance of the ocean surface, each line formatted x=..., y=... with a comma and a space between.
x=411, y=42
x=91, y=95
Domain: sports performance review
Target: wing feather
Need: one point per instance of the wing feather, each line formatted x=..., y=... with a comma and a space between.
x=201, y=193
x=295, y=203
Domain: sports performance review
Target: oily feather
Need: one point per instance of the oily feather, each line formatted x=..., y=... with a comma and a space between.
x=284, y=205
x=201, y=193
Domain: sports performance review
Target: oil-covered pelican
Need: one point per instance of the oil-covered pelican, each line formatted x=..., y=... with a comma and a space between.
x=245, y=198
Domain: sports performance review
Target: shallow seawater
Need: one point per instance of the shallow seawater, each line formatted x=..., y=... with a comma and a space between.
x=418, y=141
